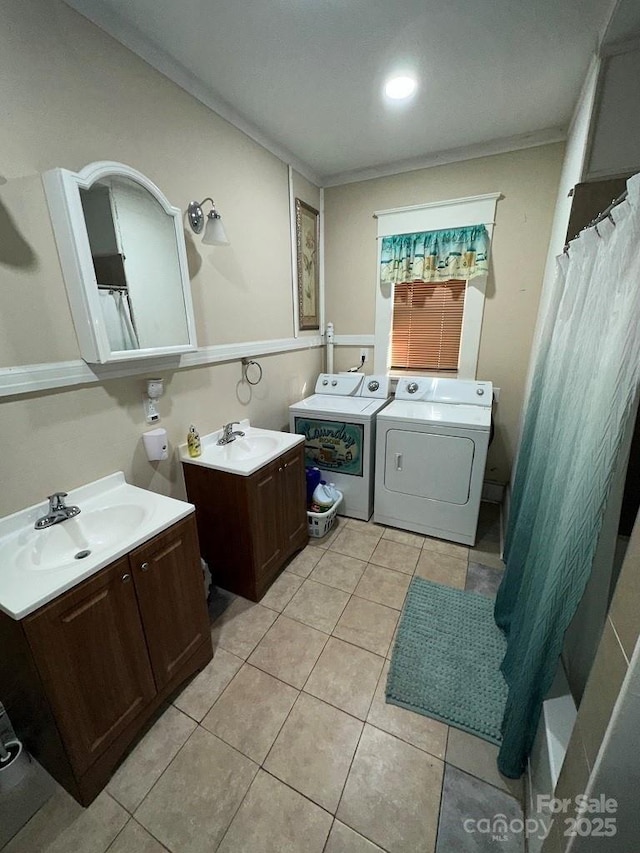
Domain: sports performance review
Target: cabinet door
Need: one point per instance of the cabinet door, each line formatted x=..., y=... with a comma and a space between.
x=170, y=588
x=293, y=501
x=91, y=653
x=266, y=520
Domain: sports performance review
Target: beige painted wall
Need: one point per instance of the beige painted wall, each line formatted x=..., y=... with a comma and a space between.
x=60, y=440
x=71, y=95
x=528, y=180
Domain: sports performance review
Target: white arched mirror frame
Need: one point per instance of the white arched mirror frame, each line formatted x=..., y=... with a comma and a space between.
x=62, y=189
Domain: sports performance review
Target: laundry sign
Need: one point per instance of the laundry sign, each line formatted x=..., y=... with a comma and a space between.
x=332, y=445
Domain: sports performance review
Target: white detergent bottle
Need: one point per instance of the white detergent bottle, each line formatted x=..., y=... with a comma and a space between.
x=335, y=494
x=323, y=496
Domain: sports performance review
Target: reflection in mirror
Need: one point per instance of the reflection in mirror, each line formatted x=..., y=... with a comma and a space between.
x=135, y=257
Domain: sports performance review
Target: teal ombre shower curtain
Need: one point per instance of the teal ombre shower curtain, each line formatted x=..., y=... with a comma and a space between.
x=583, y=392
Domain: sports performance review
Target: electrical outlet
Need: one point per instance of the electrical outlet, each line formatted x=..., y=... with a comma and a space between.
x=364, y=354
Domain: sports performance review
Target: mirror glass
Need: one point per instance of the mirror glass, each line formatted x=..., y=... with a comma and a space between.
x=136, y=261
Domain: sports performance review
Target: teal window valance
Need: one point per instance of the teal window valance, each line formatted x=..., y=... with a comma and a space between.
x=454, y=253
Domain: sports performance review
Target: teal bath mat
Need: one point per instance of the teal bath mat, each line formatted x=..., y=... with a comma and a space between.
x=446, y=659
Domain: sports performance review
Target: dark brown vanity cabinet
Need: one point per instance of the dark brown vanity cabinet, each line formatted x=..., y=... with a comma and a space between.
x=101, y=658
x=249, y=526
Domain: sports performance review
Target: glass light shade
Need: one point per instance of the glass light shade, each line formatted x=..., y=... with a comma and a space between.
x=214, y=233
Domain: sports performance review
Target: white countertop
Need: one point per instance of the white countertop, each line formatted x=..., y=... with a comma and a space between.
x=245, y=455
x=38, y=565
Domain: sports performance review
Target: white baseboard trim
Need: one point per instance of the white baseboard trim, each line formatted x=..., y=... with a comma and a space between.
x=492, y=492
x=27, y=378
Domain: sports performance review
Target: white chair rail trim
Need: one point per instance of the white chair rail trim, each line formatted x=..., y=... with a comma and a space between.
x=27, y=378
x=354, y=340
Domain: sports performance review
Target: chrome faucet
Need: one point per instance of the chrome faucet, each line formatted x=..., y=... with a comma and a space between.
x=229, y=434
x=58, y=511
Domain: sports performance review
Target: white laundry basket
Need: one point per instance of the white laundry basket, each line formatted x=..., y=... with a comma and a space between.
x=320, y=523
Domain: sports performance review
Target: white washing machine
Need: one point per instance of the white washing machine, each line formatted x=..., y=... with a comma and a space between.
x=431, y=452
x=339, y=425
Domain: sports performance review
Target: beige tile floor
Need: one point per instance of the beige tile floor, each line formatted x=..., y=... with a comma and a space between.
x=284, y=741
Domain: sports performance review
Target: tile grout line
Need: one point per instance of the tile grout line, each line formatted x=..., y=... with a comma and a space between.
x=346, y=778
x=186, y=713
x=479, y=778
x=348, y=773
x=295, y=791
x=261, y=764
x=333, y=823
x=295, y=687
x=262, y=767
x=440, y=805
x=301, y=690
x=144, y=828
x=217, y=699
x=307, y=623
x=244, y=660
x=233, y=817
x=133, y=813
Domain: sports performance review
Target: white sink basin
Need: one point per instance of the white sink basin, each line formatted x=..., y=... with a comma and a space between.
x=78, y=538
x=245, y=454
x=251, y=447
x=38, y=565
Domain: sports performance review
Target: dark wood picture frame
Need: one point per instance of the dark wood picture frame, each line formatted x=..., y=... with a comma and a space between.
x=307, y=253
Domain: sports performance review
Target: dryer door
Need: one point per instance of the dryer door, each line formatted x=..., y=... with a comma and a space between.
x=428, y=465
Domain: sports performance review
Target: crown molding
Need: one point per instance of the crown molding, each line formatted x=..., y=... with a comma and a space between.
x=625, y=45
x=131, y=37
x=454, y=155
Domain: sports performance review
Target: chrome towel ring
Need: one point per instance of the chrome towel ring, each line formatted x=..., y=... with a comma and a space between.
x=246, y=364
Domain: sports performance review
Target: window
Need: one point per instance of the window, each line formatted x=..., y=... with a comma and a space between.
x=409, y=312
x=427, y=325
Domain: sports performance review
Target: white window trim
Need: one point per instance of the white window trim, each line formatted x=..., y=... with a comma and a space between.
x=454, y=213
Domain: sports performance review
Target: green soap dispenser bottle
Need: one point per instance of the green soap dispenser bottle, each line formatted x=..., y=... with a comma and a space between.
x=193, y=442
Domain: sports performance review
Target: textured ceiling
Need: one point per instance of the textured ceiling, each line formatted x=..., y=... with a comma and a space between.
x=309, y=75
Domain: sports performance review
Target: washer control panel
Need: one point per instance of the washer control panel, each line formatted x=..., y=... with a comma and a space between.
x=343, y=384
x=353, y=385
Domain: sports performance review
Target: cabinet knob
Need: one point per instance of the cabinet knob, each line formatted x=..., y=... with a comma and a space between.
x=285, y=464
x=280, y=468
x=144, y=567
x=126, y=578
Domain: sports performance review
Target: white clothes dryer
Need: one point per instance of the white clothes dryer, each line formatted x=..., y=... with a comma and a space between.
x=431, y=452
x=339, y=425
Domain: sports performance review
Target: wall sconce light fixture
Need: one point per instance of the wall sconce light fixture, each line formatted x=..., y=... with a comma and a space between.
x=214, y=233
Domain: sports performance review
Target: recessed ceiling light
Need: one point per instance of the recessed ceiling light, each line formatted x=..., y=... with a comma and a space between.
x=398, y=88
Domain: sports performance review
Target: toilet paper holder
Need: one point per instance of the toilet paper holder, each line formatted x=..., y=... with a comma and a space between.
x=156, y=444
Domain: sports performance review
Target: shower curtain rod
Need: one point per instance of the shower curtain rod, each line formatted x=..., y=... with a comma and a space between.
x=606, y=213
